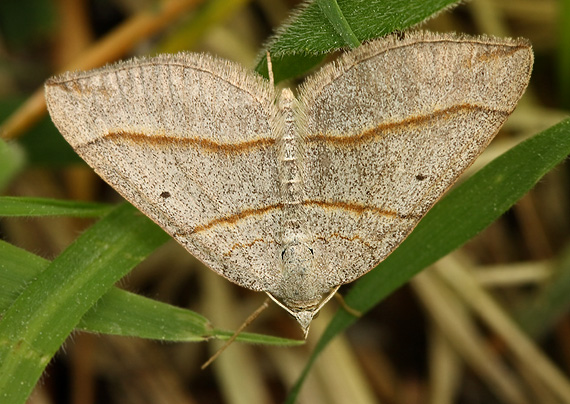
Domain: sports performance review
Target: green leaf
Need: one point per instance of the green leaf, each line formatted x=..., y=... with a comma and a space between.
x=288, y=66
x=459, y=216
x=313, y=32
x=127, y=314
x=309, y=32
x=15, y=206
x=123, y=313
x=332, y=11
x=257, y=338
x=18, y=268
x=50, y=306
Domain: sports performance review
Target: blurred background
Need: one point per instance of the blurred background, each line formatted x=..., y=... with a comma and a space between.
x=423, y=344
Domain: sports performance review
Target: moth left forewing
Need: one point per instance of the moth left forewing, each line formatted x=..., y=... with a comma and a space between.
x=190, y=141
x=390, y=127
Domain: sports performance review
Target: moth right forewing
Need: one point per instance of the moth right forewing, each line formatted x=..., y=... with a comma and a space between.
x=388, y=129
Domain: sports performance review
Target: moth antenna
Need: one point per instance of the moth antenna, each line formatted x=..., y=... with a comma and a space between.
x=247, y=322
x=270, y=70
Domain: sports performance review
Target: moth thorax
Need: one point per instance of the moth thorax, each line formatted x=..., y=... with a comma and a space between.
x=297, y=257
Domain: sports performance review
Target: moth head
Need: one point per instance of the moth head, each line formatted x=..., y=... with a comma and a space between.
x=304, y=318
x=304, y=312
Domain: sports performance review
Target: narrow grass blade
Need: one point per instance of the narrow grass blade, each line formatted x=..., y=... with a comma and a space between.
x=16, y=206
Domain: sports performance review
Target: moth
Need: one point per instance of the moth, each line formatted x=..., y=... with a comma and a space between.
x=293, y=194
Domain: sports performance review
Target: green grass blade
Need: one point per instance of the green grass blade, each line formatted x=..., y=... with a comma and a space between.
x=459, y=216
x=127, y=314
x=16, y=206
x=48, y=309
x=251, y=338
x=18, y=268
